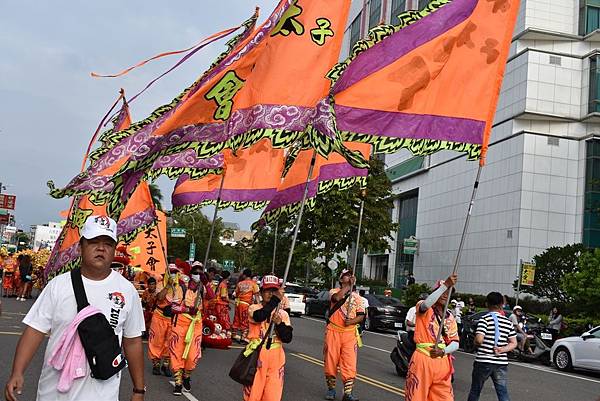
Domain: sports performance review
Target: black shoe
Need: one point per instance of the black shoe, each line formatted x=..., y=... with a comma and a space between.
x=187, y=385
x=156, y=370
x=177, y=390
x=166, y=371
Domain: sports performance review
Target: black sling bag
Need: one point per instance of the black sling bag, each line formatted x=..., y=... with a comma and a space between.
x=101, y=344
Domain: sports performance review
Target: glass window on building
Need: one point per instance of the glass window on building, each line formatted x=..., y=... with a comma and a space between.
x=591, y=212
x=594, y=103
x=407, y=226
x=589, y=16
x=398, y=7
x=379, y=267
x=355, y=31
x=374, y=13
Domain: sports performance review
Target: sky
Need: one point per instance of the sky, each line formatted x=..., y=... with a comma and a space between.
x=49, y=104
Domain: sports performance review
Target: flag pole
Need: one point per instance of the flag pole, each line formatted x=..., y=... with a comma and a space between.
x=295, y=236
x=275, y=247
x=214, y=220
x=360, y=219
x=460, y=249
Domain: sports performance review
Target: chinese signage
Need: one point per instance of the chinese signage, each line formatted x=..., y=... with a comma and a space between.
x=7, y=201
x=178, y=232
x=148, y=250
x=411, y=246
x=527, y=273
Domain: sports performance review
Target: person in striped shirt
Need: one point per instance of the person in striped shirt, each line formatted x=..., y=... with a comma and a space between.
x=495, y=336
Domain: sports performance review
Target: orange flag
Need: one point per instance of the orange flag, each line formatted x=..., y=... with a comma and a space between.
x=430, y=84
x=251, y=179
x=149, y=248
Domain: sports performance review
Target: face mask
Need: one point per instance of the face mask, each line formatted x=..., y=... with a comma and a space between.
x=196, y=277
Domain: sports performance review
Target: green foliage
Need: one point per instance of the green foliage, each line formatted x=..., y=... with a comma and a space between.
x=197, y=227
x=551, y=267
x=412, y=293
x=583, y=284
x=156, y=196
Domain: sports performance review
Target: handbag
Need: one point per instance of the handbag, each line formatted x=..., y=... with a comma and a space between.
x=100, y=343
x=244, y=367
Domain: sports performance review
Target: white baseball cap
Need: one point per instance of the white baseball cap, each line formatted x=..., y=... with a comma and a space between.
x=97, y=226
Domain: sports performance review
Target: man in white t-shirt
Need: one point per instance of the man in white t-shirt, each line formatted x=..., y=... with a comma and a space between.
x=56, y=307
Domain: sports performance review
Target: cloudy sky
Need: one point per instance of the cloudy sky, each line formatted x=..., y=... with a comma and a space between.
x=49, y=104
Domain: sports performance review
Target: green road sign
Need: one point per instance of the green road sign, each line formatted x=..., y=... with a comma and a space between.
x=411, y=246
x=177, y=232
x=228, y=265
x=192, y=251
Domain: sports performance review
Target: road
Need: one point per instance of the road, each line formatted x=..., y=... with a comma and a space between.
x=377, y=380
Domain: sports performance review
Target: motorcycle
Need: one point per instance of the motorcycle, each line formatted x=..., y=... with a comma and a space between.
x=402, y=353
x=540, y=342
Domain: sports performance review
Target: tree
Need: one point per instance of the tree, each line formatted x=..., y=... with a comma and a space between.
x=156, y=196
x=197, y=228
x=583, y=285
x=551, y=268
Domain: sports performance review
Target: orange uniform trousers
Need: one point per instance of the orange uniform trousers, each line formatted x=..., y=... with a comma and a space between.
x=240, y=318
x=177, y=343
x=340, y=349
x=429, y=379
x=158, y=336
x=268, y=382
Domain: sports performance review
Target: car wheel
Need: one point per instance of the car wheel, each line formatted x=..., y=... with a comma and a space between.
x=562, y=359
x=368, y=325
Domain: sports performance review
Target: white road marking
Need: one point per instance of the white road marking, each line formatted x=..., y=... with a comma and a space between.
x=378, y=349
x=189, y=396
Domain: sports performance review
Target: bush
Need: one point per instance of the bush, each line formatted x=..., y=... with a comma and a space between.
x=412, y=292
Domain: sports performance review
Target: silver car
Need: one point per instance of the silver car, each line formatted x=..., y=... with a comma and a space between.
x=578, y=352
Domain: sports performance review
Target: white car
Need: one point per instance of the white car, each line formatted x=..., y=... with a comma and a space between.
x=577, y=352
x=293, y=292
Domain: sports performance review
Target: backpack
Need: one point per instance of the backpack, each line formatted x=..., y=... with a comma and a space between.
x=101, y=344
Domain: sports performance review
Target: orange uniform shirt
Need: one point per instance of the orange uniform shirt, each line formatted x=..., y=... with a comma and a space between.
x=355, y=303
x=427, y=326
x=245, y=290
x=259, y=330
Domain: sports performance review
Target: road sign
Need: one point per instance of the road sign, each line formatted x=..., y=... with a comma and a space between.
x=411, y=246
x=229, y=265
x=177, y=232
x=333, y=265
x=7, y=201
x=527, y=273
x=4, y=218
x=192, y=250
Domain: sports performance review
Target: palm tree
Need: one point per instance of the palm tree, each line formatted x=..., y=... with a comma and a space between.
x=156, y=196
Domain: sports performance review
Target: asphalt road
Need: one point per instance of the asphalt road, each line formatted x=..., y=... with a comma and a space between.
x=377, y=380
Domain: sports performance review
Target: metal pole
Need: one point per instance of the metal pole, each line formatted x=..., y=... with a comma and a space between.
x=360, y=217
x=212, y=226
x=460, y=248
x=519, y=277
x=295, y=236
x=275, y=247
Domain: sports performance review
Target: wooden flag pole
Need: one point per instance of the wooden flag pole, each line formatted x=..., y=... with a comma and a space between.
x=275, y=247
x=214, y=220
x=360, y=218
x=460, y=249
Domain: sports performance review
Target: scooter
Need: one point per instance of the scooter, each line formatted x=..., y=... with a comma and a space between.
x=402, y=353
x=540, y=341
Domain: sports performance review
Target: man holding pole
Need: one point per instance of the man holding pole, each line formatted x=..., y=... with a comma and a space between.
x=342, y=338
x=430, y=370
x=246, y=294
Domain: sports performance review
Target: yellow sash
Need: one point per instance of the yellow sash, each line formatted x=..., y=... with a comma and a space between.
x=424, y=347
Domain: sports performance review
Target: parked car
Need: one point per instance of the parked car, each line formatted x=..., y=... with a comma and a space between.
x=578, y=351
x=384, y=313
x=297, y=296
x=318, y=306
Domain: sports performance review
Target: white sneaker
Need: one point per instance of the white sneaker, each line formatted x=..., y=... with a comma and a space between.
x=18, y=298
x=22, y=299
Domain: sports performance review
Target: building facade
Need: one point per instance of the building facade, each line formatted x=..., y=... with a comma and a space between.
x=45, y=235
x=541, y=183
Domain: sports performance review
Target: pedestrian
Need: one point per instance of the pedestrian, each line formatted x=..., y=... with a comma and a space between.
x=364, y=299
x=411, y=279
x=53, y=315
x=160, y=328
x=222, y=305
x=495, y=336
x=268, y=381
x=246, y=294
x=8, y=276
x=342, y=339
x=515, y=319
x=411, y=320
x=430, y=369
x=471, y=307
x=149, y=301
x=25, y=272
x=555, y=323
x=210, y=300
x=456, y=310
x=186, y=332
